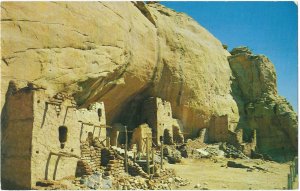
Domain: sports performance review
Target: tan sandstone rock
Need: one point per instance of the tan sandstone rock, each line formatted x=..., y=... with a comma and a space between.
x=112, y=52
x=260, y=106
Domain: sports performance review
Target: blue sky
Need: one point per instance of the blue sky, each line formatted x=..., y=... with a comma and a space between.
x=268, y=28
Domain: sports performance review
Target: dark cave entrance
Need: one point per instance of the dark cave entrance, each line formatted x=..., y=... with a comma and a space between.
x=130, y=115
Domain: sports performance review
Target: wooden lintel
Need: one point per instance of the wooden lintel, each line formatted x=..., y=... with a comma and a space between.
x=65, y=154
x=53, y=103
x=102, y=126
x=84, y=123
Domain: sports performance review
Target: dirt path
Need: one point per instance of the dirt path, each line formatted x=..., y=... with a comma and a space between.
x=217, y=176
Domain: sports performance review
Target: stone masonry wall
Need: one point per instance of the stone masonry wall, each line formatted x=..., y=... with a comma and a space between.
x=236, y=139
x=218, y=130
x=164, y=116
x=158, y=115
x=90, y=157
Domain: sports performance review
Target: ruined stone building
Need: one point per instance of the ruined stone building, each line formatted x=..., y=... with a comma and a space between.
x=43, y=136
x=158, y=115
x=246, y=146
x=220, y=131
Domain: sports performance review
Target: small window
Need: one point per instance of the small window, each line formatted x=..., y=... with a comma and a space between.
x=63, y=135
x=99, y=112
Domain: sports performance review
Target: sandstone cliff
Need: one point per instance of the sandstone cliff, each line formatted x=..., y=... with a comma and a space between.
x=260, y=106
x=123, y=52
x=115, y=52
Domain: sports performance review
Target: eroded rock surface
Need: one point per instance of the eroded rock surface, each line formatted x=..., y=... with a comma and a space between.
x=260, y=106
x=115, y=52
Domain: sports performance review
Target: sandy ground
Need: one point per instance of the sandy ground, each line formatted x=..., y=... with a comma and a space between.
x=215, y=175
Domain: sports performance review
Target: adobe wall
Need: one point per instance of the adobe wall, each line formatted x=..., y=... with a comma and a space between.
x=115, y=134
x=158, y=115
x=92, y=120
x=164, y=117
x=218, y=130
x=139, y=135
x=47, y=160
x=16, y=143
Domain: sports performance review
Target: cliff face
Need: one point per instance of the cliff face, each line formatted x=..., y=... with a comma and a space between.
x=116, y=53
x=89, y=49
x=123, y=52
x=260, y=107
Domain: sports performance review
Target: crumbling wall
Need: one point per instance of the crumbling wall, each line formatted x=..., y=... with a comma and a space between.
x=164, y=117
x=92, y=121
x=236, y=139
x=248, y=147
x=158, y=115
x=139, y=137
x=115, y=132
x=16, y=142
x=90, y=157
x=218, y=130
x=177, y=127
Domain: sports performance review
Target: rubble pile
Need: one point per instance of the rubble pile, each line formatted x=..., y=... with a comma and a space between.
x=183, y=150
x=194, y=144
x=214, y=150
x=135, y=169
x=165, y=180
x=172, y=154
x=232, y=152
x=92, y=181
x=207, y=151
x=127, y=182
x=197, y=149
x=95, y=181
